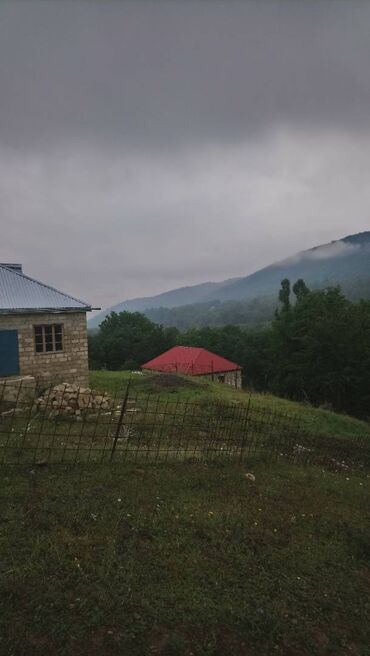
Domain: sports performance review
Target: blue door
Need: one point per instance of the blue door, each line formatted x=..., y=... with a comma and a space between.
x=9, y=356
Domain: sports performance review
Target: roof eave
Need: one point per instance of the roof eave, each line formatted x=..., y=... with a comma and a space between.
x=203, y=373
x=219, y=371
x=44, y=310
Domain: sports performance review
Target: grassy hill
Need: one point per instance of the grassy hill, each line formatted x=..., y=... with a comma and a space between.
x=345, y=262
x=166, y=418
x=186, y=558
x=311, y=419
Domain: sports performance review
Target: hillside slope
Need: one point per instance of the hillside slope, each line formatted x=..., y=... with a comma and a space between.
x=198, y=390
x=345, y=262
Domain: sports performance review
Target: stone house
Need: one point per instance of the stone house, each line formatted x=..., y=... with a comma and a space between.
x=194, y=361
x=43, y=331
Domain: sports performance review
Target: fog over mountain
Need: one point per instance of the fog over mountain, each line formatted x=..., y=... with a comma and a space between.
x=149, y=145
x=345, y=262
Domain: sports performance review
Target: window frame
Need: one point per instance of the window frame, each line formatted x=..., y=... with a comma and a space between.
x=42, y=327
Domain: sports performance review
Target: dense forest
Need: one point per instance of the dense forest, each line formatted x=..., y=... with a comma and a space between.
x=254, y=313
x=249, y=314
x=316, y=349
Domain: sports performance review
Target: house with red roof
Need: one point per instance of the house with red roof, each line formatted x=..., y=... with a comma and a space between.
x=194, y=361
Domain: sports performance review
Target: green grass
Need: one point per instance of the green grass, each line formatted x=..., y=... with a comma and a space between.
x=310, y=418
x=176, y=418
x=184, y=559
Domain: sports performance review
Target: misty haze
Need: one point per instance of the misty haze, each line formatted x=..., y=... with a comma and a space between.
x=184, y=328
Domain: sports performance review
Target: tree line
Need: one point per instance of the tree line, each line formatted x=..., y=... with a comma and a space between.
x=316, y=348
x=249, y=314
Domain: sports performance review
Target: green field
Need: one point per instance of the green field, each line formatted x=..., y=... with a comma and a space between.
x=197, y=389
x=184, y=560
x=174, y=418
x=188, y=557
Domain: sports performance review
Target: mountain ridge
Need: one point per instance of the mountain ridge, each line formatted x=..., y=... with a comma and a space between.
x=339, y=262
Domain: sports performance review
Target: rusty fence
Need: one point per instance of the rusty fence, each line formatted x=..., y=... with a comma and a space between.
x=70, y=424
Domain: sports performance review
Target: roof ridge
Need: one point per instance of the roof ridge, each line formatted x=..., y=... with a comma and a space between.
x=38, y=282
x=197, y=359
x=200, y=349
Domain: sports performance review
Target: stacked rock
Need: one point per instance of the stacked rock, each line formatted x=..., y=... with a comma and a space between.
x=72, y=399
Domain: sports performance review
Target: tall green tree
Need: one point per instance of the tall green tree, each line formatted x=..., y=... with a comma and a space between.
x=284, y=295
x=300, y=289
x=127, y=340
x=321, y=348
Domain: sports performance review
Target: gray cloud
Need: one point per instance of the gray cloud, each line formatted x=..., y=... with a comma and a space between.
x=148, y=145
x=328, y=251
x=162, y=73
x=333, y=250
x=110, y=228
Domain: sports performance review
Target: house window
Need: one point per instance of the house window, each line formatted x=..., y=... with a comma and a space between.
x=49, y=338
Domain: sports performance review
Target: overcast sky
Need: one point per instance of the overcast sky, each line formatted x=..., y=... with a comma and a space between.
x=149, y=145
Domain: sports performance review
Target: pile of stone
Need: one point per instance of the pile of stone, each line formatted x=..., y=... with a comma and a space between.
x=72, y=399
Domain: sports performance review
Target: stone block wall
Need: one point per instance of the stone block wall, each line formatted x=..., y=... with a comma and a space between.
x=233, y=378
x=69, y=365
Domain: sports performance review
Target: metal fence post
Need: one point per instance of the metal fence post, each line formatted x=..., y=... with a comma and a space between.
x=245, y=433
x=120, y=421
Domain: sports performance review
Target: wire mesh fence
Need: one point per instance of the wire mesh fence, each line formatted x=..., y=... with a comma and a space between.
x=72, y=424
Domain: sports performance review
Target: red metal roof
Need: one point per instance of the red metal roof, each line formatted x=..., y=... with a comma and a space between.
x=190, y=360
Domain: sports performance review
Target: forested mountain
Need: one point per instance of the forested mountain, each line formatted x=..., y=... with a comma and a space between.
x=252, y=314
x=316, y=349
x=345, y=262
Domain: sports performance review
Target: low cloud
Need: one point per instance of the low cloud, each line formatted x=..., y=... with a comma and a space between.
x=339, y=249
x=325, y=252
x=108, y=226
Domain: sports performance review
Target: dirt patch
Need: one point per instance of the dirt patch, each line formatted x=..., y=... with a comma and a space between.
x=166, y=382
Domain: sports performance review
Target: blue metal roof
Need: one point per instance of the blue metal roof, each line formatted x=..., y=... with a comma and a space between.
x=20, y=293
